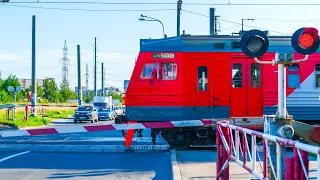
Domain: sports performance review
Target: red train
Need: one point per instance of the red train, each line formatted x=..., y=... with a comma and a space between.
x=199, y=77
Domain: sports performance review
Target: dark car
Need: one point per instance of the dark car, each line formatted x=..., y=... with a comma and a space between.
x=86, y=113
x=105, y=114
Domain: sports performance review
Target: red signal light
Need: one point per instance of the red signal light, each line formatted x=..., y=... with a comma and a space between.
x=306, y=40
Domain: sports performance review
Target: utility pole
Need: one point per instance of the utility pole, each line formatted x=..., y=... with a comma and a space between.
x=79, y=77
x=87, y=79
x=95, y=66
x=102, y=79
x=212, y=21
x=33, y=69
x=179, y=4
x=65, y=62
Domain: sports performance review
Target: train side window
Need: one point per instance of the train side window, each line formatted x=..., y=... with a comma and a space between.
x=317, y=75
x=255, y=75
x=293, y=76
x=169, y=71
x=147, y=70
x=202, y=78
x=237, y=75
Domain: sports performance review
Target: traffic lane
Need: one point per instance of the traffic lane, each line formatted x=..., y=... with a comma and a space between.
x=88, y=166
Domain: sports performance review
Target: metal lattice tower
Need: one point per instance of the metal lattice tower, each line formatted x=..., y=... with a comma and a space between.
x=87, y=77
x=65, y=62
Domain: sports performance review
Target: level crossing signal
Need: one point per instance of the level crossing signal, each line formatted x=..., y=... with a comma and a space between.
x=255, y=43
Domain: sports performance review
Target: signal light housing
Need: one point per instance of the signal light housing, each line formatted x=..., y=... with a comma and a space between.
x=284, y=58
x=254, y=43
x=305, y=41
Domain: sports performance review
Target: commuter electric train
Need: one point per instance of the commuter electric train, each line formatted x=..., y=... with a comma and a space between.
x=194, y=77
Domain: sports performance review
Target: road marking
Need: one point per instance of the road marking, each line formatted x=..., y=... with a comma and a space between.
x=9, y=157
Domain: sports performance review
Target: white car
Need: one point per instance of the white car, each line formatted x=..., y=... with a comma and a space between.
x=118, y=110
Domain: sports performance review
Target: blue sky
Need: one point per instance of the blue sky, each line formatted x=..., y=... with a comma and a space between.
x=118, y=33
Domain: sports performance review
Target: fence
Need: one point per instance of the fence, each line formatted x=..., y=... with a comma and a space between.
x=229, y=146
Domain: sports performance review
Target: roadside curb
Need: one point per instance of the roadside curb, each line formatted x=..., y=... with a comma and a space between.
x=175, y=166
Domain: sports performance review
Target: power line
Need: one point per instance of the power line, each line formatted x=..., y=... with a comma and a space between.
x=235, y=22
x=165, y=3
x=93, y=10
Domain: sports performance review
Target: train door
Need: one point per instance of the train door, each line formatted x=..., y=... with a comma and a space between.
x=246, y=90
x=202, y=89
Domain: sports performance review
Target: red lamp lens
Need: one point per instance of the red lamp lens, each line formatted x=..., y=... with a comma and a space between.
x=306, y=40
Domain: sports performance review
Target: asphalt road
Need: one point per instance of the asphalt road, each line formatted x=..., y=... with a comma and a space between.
x=93, y=155
x=85, y=166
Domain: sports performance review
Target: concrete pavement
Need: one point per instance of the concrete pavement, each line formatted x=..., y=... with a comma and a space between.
x=124, y=166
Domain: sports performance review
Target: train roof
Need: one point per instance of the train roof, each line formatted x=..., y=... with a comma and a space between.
x=206, y=43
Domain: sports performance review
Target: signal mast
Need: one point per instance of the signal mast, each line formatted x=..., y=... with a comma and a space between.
x=254, y=44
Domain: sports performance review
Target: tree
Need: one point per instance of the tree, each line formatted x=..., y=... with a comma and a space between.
x=10, y=81
x=39, y=91
x=65, y=91
x=50, y=90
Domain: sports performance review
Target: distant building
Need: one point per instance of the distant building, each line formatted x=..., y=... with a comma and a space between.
x=25, y=83
x=125, y=85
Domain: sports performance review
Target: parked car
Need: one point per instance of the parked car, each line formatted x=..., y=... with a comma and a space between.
x=105, y=114
x=86, y=113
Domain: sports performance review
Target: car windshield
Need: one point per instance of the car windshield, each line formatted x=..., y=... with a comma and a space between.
x=104, y=110
x=84, y=108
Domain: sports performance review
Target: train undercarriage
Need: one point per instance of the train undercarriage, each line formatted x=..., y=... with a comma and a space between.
x=184, y=137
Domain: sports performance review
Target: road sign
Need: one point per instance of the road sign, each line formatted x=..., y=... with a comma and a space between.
x=11, y=89
x=18, y=88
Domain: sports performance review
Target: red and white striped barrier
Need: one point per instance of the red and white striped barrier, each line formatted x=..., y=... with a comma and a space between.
x=52, y=105
x=92, y=128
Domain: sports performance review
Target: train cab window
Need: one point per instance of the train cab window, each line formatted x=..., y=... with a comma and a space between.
x=317, y=75
x=255, y=75
x=237, y=75
x=148, y=69
x=202, y=78
x=169, y=71
x=293, y=76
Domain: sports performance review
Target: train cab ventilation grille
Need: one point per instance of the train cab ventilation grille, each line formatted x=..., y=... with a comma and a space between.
x=236, y=45
x=218, y=45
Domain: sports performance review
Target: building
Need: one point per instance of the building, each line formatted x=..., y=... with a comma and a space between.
x=125, y=85
x=25, y=83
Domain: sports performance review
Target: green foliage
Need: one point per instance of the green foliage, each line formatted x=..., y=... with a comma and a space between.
x=10, y=81
x=117, y=96
x=50, y=90
x=65, y=92
x=20, y=122
x=59, y=113
x=39, y=91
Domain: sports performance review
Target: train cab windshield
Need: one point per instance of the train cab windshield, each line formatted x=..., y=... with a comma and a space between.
x=167, y=70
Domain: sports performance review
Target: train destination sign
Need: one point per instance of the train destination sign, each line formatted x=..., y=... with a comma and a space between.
x=163, y=55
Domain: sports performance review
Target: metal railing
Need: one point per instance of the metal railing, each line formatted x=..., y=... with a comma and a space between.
x=230, y=148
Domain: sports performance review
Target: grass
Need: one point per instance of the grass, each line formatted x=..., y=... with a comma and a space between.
x=19, y=122
x=59, y=113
